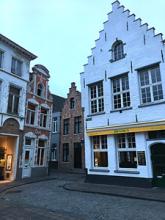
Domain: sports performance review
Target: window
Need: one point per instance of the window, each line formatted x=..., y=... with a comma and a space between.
x=117, y=50
x=30, y=114
x=43, y=117
x=66, y=152
x=126, y=148
x=41, y=152
x=66, y=126
x=97, y=98
x=72, y=103
x=121, y=94
x=1, y=58
x=40, y=90
x=150, y=85
x=13, y=100
x=77, y=124
x=100, y=154
x=54, y=126
x=16, y=66
x=156, y=134
x=54, y=152
x=28, y=141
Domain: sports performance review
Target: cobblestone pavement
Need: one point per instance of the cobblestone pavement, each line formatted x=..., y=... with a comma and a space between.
x=49, y=200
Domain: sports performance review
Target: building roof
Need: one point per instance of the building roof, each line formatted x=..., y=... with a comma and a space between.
x=58, y=103
x=21, y=50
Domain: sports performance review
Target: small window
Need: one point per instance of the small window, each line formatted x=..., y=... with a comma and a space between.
x=40, y=90
x=66, y=126
x=54, y=152
x=16, y=66
x=43, y=117
x=1, y=58
x=54, y=125
x=30, y=114
x=117, y=50
x=41, y=152
x=77, y=125
x=72, y=103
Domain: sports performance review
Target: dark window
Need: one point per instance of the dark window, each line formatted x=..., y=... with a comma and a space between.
x=1, y=58
x=40, y=90
x=66, y=126
x=16, y=66
x=72, y=103
x=54, y=152
x=13, y=100
x=156, y=134
x=30, y=114
x=117, y=50
x=65, y=152
x=41, y=152
x=43, y=117
x=77, y=124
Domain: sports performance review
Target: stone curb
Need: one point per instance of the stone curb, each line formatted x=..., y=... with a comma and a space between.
x=70, y=187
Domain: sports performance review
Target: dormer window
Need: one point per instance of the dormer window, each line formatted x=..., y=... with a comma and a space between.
x=40, y=90
x=117, y=50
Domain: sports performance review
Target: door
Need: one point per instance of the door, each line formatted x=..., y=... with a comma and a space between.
x=77, y=156
x=158, y=164
x=27, y=163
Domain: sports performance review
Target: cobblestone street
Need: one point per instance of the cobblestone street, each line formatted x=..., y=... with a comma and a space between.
x=49, y=200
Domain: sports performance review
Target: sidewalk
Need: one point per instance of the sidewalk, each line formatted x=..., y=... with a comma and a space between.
x=150, y=194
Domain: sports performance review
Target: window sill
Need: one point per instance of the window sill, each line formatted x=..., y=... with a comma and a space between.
x=127, y=171
x=112, y=60
x=95, y=114
x=120, y=110
x=100, y=170
x=150, y=104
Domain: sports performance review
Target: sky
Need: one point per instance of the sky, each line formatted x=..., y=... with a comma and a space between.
x=62, y=32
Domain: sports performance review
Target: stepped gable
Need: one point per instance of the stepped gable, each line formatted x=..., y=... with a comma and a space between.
x=131, y=22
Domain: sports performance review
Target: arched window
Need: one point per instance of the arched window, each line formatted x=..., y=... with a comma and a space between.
x=117, y=50
x=40, y=90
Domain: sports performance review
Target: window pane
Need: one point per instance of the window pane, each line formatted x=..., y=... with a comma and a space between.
x=101, y=105
x=100, y=159
x=125, y=83
x=10, y=101
x=93, y=92
x=104, y=142
x=131, y=140
x=127, y=159
x=16, y=104
x=157, y=92
x=65, y=152
x=126, y=99
x=1, y=58
x=116, y=85
x=144, y=78
x=146, y=95
x=155, y=75
x=117, y=101
x=96, y=142
x=100, y=89
x=94, y=106
x=121, y=141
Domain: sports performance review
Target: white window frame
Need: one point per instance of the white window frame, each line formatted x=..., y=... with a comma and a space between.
x=121, y=92
x=54, y=152
x=54, y=125
x=150, y=85
x=30, y=111
x=98, y=98
x=126, y=149
x=100, y=149
x=39, y=151
x=42, y=115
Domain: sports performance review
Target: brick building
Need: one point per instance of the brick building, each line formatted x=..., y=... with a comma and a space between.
x=72, y=133
x=37, y=130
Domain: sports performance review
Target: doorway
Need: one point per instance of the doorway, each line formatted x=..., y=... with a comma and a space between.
x=158, y=164
x=77, y=155
x=27, y=162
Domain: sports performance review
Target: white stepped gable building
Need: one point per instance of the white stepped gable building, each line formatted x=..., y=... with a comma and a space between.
x=123, y=94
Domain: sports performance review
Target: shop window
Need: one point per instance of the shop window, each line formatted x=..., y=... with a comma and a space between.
x=121, y=93
x=100, y=154
x=96, y=98
x=43, y=117
x=30, y=114
x=66, y=126
x=150, y=85
x=126, y=148
x=13, y=100
x=77, y=125
x=16, y=66
x=66, y=152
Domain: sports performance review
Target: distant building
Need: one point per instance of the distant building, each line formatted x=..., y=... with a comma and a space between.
x=14, y=76
x=38, y=124
x=123, y=94
x=58, y=103
x=72, y=133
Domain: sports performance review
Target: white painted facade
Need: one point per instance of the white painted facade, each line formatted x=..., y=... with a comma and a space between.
x=10, y=140
x=142, y=48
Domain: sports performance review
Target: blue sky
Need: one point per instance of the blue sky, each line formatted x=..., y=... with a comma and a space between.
x=62, y=32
